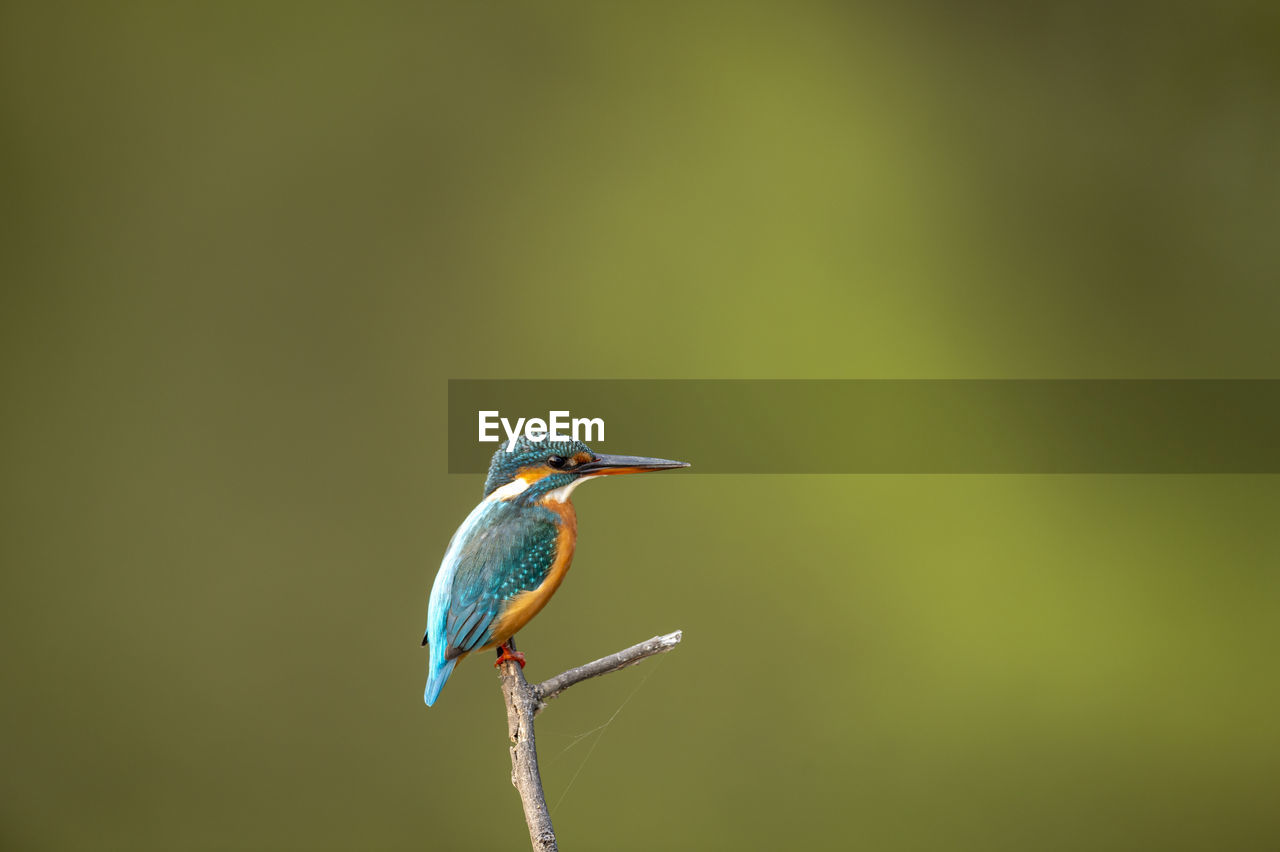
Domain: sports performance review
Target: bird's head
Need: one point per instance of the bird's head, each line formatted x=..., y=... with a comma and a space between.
x=533, y=470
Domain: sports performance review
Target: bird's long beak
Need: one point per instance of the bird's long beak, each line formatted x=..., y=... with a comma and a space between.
x=606, y=465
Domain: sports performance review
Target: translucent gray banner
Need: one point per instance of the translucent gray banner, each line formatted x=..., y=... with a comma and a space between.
x=893, y=426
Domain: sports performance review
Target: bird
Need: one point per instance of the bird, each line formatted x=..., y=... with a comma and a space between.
x=511, y=553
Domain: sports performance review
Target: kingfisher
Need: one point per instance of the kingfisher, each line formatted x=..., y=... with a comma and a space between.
x=511, y=553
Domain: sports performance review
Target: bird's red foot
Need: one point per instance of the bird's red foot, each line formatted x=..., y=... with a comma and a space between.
x=505, y=653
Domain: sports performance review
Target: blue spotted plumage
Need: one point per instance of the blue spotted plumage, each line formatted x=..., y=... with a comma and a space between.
x=511, y=553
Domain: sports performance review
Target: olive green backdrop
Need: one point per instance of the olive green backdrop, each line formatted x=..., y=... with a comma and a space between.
x=245, y=246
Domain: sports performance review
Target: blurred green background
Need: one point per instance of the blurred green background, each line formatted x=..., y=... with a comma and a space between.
x=245, y=245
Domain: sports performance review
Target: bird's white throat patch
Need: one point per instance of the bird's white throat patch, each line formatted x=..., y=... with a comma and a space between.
x=519, y=485
x=511, y=489
x=562, y=493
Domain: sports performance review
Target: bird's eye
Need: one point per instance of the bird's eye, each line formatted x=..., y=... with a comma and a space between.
x=556, y=461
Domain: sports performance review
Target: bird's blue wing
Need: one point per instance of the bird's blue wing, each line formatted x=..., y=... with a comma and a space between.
x=512, y=552
x=501, y=550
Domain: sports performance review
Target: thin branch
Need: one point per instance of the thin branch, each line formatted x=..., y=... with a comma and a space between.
x=525, y=700
x=551, y=687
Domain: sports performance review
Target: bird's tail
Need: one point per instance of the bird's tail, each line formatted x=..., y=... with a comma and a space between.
x=435, y=682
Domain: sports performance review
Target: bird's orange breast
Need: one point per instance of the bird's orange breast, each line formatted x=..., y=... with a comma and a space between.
x=526, y=605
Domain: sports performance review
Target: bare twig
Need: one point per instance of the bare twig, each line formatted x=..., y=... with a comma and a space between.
x=551, y=687
x=525, y=700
